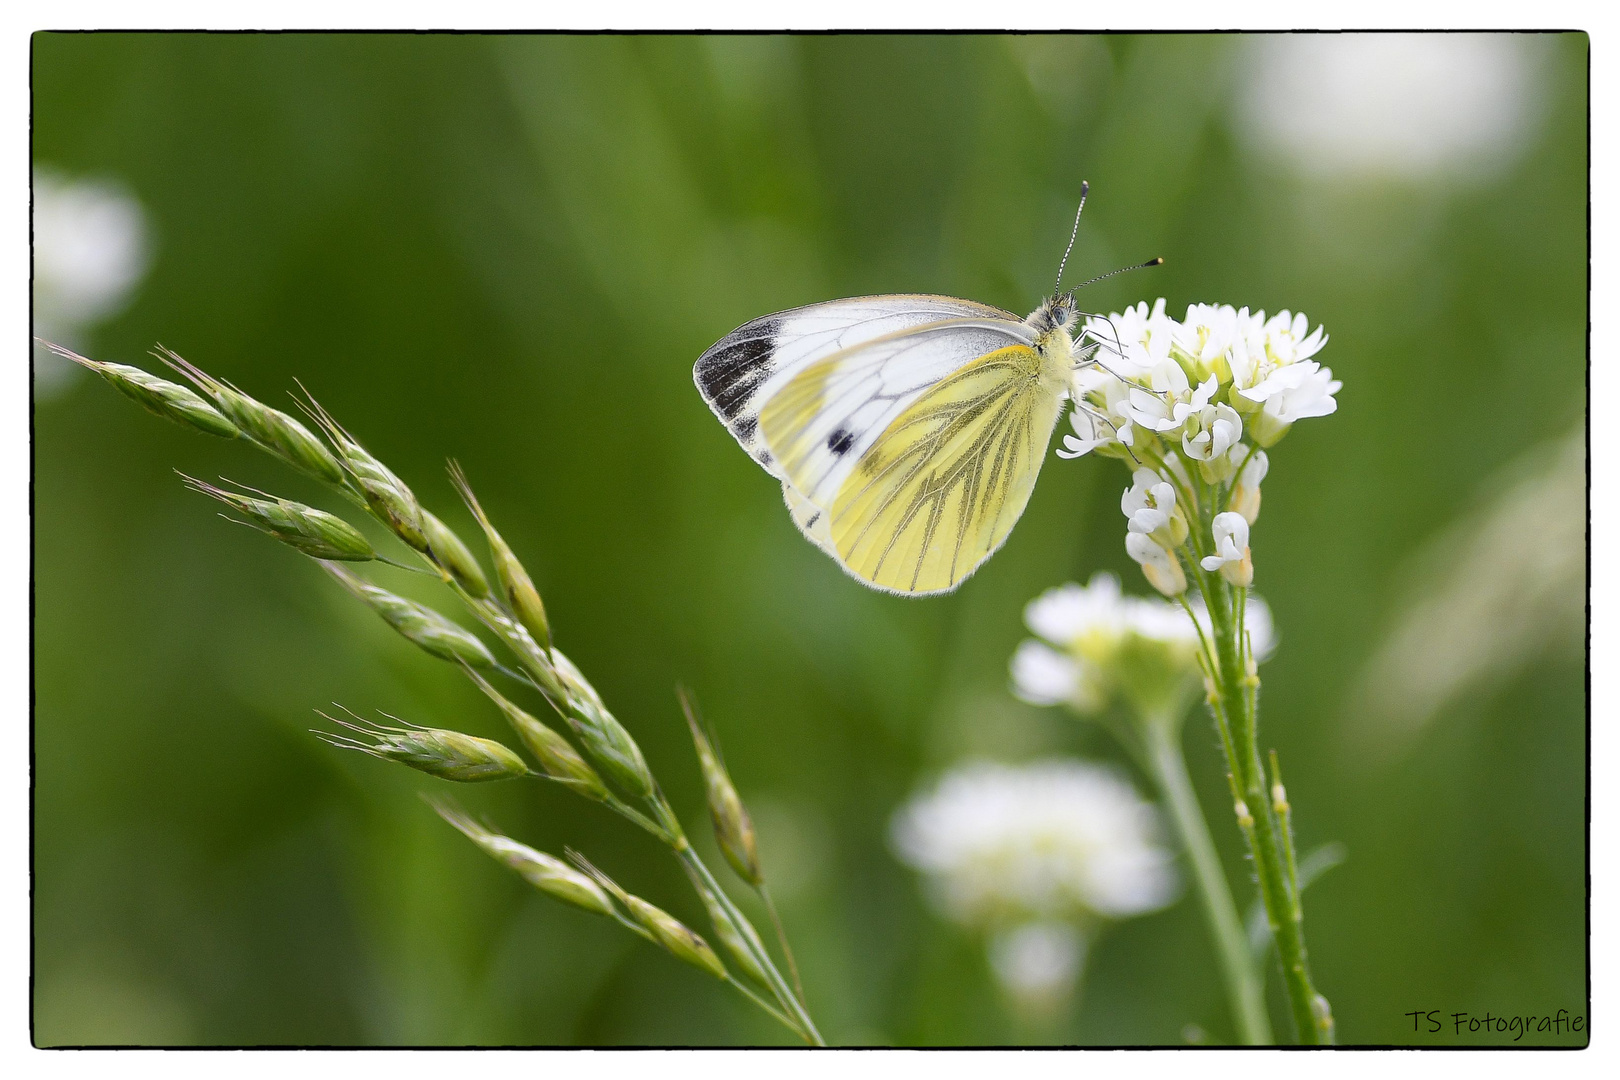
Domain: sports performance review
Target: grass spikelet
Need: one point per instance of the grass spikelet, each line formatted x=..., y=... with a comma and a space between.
x=600, y=733
x=270, y=428
x=158, y=396
x=521, y=595
x=313, y=532
x=386, y=494
x=678, y=939
x=550, y=875
x=557, y=758
x=453, y=556
x=422, y=626
x=449, y=755
x=733, y=828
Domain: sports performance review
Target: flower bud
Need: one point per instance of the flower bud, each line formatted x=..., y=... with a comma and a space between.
x=1245, y=819
x=1231, y=558
x=452, y=555
x=449, y=755
x=602, y=736
x=314, y=532
x=1267, y=428
x=421, y=626
x=557, y=758
x=270, y=428
x=521, y=595
x=733, y=828
x=1161, y=568
x=1210, y=433
x=1151, y=506
x=550, y=875
x=1245, y=496
x=160, y=396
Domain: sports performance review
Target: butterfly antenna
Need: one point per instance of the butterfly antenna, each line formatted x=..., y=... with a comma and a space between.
x=1085, y=186
x=1121, y=270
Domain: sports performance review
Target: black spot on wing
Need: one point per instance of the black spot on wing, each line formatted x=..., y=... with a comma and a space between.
x=730, y=372
x=840, y=441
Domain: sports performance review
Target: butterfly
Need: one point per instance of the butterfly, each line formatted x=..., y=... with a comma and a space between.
x=907, y=430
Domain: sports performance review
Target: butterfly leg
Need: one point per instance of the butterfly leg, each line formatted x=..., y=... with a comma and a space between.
x=1102, y=418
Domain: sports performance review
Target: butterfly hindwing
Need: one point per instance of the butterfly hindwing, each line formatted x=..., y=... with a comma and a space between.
x=939, y=490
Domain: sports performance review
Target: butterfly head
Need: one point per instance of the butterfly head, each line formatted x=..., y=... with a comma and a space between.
x=1055, y=313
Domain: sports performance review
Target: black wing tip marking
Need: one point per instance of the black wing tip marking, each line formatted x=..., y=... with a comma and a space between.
x=734, y=367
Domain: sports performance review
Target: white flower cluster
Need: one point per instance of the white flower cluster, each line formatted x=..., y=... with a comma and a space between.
x=1200, y=382
x=1091, y=640
x=1062, y=840
x=1192, y=404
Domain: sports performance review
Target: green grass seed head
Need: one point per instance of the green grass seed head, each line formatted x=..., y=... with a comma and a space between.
x=449, y=755
x=159, y=396
x=313, y=532
x=422, y=626
x=270, y=428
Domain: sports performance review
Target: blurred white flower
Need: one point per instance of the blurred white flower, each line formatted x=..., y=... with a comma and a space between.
x=1396, y=105
x=1231, y=558
x=1043, y=676
x=1097, y=641
x=90, y=251
x=1073, y=616
x=1058, y=840
x=1038, y=963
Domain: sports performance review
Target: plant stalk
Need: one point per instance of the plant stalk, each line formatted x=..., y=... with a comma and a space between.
x=1236, y=691
x=784, y=993
x=1245, y=986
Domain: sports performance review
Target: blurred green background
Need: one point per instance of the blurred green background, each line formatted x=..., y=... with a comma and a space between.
x=510, y=250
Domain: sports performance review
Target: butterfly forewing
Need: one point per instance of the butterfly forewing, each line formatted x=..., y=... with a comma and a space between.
x=942, y=486
x=744, y=369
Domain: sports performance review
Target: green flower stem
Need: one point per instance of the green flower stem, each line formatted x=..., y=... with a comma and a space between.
x=1235, y=689
x=1245, y=985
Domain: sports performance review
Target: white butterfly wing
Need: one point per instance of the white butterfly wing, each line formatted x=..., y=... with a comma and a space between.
x=889, y=349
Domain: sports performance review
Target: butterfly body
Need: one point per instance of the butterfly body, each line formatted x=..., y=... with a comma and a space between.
x=907, y=430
